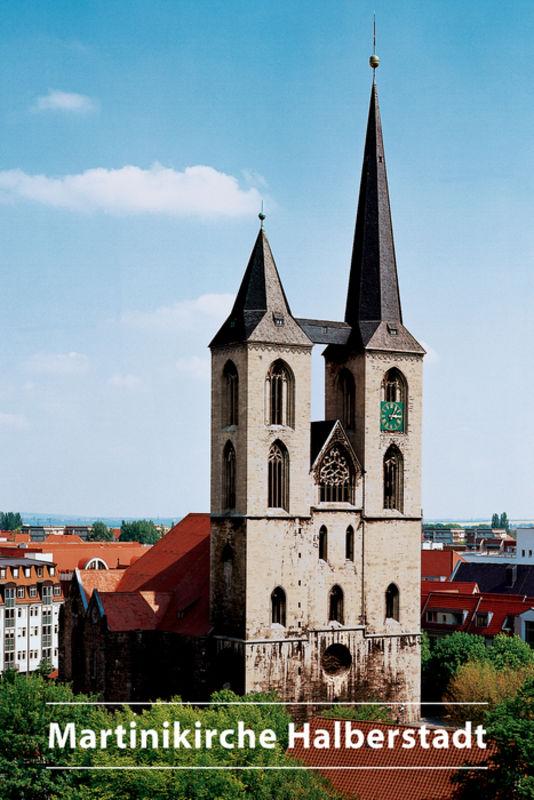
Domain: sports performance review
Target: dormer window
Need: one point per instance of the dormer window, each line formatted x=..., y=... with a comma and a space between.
x=278, y=320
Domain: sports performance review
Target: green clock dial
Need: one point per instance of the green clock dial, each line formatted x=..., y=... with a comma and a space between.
x=391, y=416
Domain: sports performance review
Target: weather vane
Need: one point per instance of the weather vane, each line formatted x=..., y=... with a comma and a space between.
x=374, y=61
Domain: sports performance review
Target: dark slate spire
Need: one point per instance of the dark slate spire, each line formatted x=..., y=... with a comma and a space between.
x=373, y=293
x=261, y=311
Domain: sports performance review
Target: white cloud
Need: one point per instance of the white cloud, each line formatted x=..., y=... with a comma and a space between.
x=195, y=366
x=58, y=364
x=432, y=357
x=125, y=381
x=13, y=422
x=210, y=309
x=70, y=102
x=197, y=191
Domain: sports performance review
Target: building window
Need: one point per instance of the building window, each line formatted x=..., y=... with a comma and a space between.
x=278, y=606
x=57, y=590
x=27, y=572
x=349, y=543
x=392, y=602
x=336, y=477
x=20, y=591
x=229, y=476
x=278, y=490
x=280, y=395
x=481, y=620
x=393, y=479
x=15, y=571
x=323, y=544
x=529, y=632
x=335, y=605
x=394, y=387
x=346, y=398
x=230, y=394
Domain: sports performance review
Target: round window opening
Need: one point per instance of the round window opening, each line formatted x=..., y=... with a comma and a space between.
x=336, y=659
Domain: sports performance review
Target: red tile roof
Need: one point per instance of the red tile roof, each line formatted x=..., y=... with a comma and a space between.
x=438, y=563
x=463, y=587
x=498, y=608
x=385, y=784
x=69, y=554
x=105, y=580
x=172, y=576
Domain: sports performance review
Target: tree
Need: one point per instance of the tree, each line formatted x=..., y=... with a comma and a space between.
x=100, y=533
x=483, y=682
x=448, y=654
x=10, y=521
x=495, y=521
x=25, y=754
x=509, y=652
x=510, y=727
x=141, y=530
x=504, y=522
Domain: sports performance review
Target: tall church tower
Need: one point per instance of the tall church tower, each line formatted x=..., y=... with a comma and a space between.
x=316, y=526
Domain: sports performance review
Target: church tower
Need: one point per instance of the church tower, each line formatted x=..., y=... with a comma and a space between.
x=316, y=526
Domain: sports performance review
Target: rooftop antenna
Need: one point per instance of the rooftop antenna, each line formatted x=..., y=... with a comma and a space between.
x=261, y=216
x=374, y=61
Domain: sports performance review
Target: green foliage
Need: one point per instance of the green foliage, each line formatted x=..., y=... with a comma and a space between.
x=510, y=727
x=448, y=654
x=100, y=533
x=509, y=651
x=495, y=521
x=24, y=751
x=426, y=653
x=372, y=713
x=10, y=521
x=141, y=530
x=504, y=521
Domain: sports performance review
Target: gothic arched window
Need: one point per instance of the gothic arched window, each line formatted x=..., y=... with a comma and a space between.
x=278, y=606
x=346, y=398
x=349, y=543
x=335, y=604
x=278, y=466
x=229, y=477
x=336, y=477
x=392, y=602
x=280, y=395
x=230, y=394
x=323, y=544
x=395, y=390
x=393, y=479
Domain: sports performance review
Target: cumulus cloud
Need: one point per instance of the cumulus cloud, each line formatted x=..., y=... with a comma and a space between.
x=58, y=364
x=209, y=309
x=13, y=422
x=194, y=366
x=127, y=381
x=71, y=102
x=197, y=191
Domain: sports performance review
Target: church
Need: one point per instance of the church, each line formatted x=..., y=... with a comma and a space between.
x=306, y=576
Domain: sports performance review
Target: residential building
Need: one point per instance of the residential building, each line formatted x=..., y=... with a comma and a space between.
x=30, y=599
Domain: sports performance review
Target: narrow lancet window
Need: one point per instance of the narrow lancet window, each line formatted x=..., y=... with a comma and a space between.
x=230, y=394
x=335, y=605
x=280, y=395
x=349, y=543
x=392, y=602
x=393, y=479
x=346, y=397
x=278, y=468
x=278, y=606
x=229, y=477
x=323, y=544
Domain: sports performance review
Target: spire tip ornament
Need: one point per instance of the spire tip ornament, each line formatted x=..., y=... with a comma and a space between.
x=374, y=61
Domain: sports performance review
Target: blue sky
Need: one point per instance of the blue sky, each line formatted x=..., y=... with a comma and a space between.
x=137, y=140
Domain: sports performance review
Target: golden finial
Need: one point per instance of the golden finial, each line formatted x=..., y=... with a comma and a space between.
x=261, y=215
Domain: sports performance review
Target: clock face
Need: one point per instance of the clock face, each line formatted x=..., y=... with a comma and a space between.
x=392, y=416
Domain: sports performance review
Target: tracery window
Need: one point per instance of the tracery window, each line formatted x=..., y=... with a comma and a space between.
x=230, y=394
x=229, y=469
x=335, y=605
x=278, y=468
x=394, y=386
x=346, y=398
x=280, y=395
x=336, y=477
x=392, y=602
x=278, y=606
x=349, y=543
x=393, y=479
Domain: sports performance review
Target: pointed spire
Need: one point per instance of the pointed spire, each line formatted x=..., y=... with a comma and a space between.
x=373, y=285
x=261, y=311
